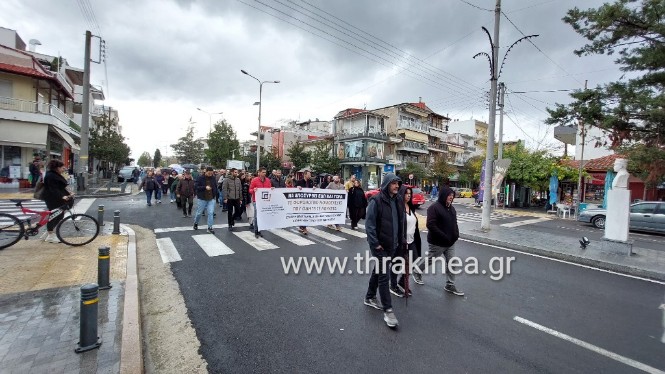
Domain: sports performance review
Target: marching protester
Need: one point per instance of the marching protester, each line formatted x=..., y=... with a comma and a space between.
x=247, y=199
x=289, y=182
x=335, y=185
x=385, y=234
x=148, y=185
x=413, y=241
x=258, y=182
x=276, y=179
x=349, y=183
x=232, y=192
x=185, y=192
x=171, y=188
x=165, y=184
x=306, y=182
x=55, y=195
x=326, y=181
x=442, y=234
x=159, y=178
x=220, y=197
x=35, y=171
x=357, y=203
x=206, y=190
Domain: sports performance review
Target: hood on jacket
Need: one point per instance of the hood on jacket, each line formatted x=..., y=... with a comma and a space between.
x=387, y=180
x=444, y=192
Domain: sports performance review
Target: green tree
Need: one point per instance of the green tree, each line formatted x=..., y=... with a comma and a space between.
x=270, y=161
x=298, y=155
x=322, y=160
x=106, y=144
x=441, y=170
x=189, y=150
x=646, y=163
x=470, y=173
x=416, y=169
x=157, y=158
x=529, y=168
x=145, y=159
x=222, y=142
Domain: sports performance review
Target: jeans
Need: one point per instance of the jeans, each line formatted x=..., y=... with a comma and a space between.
x=380, y=278
x=185, y=201
x=158, y=193
x=148, y=195
x=256, y=227
x=233, y=206
x=436, y=251
x=209, y=207
x=173, y=197
x=220, y=195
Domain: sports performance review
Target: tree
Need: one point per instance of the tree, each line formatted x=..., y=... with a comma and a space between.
x=270, y=161
x=417, y=170
x=222, y=142
x=187, y=149
x=631, y=110
x=646, y=163
x=470, y=173
x=157, y=158
x=145, y=159
x=528, y=168
x=322, y=160
x=106, y=144
x=441, y=170
x=298, y=155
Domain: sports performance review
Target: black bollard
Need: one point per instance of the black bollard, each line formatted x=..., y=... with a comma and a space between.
x=116, y=223
x=100, y=215
x=103, y=268
x=88, y=339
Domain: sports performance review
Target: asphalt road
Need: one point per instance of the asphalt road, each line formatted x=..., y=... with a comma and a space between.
x=251, y=317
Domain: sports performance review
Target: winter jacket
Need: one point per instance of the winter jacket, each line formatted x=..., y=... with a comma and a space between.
x=232, y=188
x=149, y=183
x=246, y=196
x=200, y=186
x=170, y=181
x=384, y=222
x=335, y=186
x=305, y=183
x=258, y=183
x=442, y=221
x=185, y=187
x=277, y=182
x=356, y=198
x=55, y=188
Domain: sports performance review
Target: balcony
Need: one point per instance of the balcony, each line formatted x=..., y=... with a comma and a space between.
x=439, y=133
x=413, y=125
x=44, y=113
x=363, y=160
x=344, y=135
x=438, y=147
x=408, y=145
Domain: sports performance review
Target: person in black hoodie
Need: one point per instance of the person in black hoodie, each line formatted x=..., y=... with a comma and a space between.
x=441, y=236
x=55, y=195
x=413, y=241
x=357, y=204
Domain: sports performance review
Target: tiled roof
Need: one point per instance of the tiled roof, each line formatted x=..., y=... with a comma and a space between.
x=602, y=163
x=22, y=70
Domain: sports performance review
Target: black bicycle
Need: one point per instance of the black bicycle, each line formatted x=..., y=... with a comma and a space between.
x=74, y=229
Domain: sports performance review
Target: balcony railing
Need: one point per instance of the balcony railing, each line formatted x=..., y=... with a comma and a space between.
x=343, y=135
x=63, y=120
x=363, y=159
x=440, y=147
x=415, y=125
x=408, y=144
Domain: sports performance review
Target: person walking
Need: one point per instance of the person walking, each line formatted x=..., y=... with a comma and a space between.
x=413, y=241
x=206, y=190
x=434, y=195
x=326, y=181
x=306, y=182
x=258, y=182
x=135, y=175
x=442, y=233
x=55, y=195
x=35, y=172
x=276, y=179
x=170, y=187
x=149, y=185
x=247, y=199
x=185, y=192
x=159, y=178
x=357, y=204
x=350, y=182
x=232, y=192
x=337, y=185
x=220, y=197
x=384, y=226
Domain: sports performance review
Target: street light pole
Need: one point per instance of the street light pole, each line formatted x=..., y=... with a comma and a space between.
x=209, y=119
x=258, y=132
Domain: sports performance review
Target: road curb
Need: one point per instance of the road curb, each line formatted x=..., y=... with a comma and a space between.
x=619, y=268
x=131, y=351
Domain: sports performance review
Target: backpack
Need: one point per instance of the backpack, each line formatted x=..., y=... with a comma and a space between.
x=39, y=189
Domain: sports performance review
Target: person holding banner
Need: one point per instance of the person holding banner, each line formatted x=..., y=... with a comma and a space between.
x=306, y=182
x=258, y=182
x=335, y=185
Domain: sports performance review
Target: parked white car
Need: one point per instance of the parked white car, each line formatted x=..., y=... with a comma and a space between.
x=644, y=216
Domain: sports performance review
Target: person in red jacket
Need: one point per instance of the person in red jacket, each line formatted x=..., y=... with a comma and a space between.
x=258, y=182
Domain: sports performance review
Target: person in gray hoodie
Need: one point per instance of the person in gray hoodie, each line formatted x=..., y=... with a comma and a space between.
x=232, y=194
x=385, y=228
x=442, y=233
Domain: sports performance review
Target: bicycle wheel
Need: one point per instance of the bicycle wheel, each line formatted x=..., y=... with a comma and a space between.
x=11, y=230
x=77, y=229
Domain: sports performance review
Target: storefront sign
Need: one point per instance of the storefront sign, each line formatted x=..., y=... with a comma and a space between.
x=14, y=172
x=288, y=207
x=388, y=168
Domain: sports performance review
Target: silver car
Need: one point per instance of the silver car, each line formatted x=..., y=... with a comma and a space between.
x=644, y=216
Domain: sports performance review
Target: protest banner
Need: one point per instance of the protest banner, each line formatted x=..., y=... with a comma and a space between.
x=289, y=207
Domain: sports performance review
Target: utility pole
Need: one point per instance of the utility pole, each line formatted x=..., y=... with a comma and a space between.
x=489, y=157
x=502, y=92
x=85, y=114
x=580, y=195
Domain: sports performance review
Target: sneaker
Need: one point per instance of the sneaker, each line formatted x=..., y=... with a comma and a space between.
x=396, y=291
x=251, y=226
x=230, y=228
x=374, y=303
x=389, y=318
x=184, y=216
x=418, y=278
x=332, y=227
x=44, y=236
x=338, y=228
x=171, y=202
x=453, y=290
x=401, y=288
x=196, y=226
x=159, y=201
x=256, y=235
x=210, y=230
x=52, y=238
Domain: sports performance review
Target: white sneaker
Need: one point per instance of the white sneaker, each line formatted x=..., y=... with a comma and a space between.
x=52, y=238
x=44, y=236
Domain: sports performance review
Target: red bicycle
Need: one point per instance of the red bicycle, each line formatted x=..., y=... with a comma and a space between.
x=73, y=229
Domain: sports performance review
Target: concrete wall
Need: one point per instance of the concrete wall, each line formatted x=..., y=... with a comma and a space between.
x=22, y=87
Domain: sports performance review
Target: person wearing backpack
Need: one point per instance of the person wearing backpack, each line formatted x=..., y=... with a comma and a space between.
x=149, y=185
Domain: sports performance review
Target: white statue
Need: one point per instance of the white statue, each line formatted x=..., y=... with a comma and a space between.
x=621, y=179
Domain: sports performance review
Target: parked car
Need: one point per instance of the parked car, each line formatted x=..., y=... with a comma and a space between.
x=418, y=195
x=644, y=216
x=464, y=192
x=126, y=173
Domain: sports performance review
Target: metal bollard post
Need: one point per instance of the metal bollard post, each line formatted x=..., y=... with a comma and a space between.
x=88, y=339
x=100, y=215
x=103, y=268
x=116, y=223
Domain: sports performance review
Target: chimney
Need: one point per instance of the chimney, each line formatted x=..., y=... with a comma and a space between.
x=33, y=44
x=420, y=99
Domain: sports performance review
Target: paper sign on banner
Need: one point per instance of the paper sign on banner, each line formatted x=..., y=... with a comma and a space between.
x=289, y=207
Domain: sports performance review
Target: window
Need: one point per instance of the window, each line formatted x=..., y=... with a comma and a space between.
x=661, y=209
x=643, y=208
x=5, y=88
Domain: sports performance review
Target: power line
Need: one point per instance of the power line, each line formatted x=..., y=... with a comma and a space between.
x=476, y=6
x=531, y=6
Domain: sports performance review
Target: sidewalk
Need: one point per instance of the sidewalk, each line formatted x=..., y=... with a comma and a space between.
x=644, y=262
x=40, y=307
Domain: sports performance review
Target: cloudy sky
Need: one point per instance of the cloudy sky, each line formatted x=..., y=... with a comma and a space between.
x=167, y=58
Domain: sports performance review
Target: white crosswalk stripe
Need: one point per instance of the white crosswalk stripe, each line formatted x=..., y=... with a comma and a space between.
x=324, y=235
x=294, y=238
x=167, y=250
x=212, y=246
x=477, y=217
x=258, y=243
x=525, y=222
x=358, y=234
x=9, y=207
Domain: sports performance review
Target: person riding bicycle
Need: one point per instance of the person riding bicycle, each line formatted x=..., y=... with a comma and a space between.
x=55, y=195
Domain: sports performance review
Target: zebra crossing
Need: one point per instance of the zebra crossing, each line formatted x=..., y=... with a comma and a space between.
x=218, y=245
x=477, y=216
x=9, y=207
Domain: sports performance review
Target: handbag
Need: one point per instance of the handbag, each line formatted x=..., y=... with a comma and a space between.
x=39, y=190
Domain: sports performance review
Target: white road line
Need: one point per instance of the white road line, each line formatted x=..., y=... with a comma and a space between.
x=83, y=205
x=324, y=235
x=291, y=237
x=212, y=246
x=361, y=226
x=624, y=360
x=167, y=250
x=525, y=222
x=318, y=240
x=258, y=243
x=358, y=234
x=565, y=262
x=201, y=226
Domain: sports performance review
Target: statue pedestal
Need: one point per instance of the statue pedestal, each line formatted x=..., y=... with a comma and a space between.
x=617, y=222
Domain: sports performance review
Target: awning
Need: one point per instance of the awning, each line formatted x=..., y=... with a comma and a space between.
x=68, y=139
x=23, y=134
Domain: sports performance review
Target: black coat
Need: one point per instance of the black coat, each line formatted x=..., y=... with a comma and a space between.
x=55, y=188
x=442, y=229
x=200, y=186
x=356, y=198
